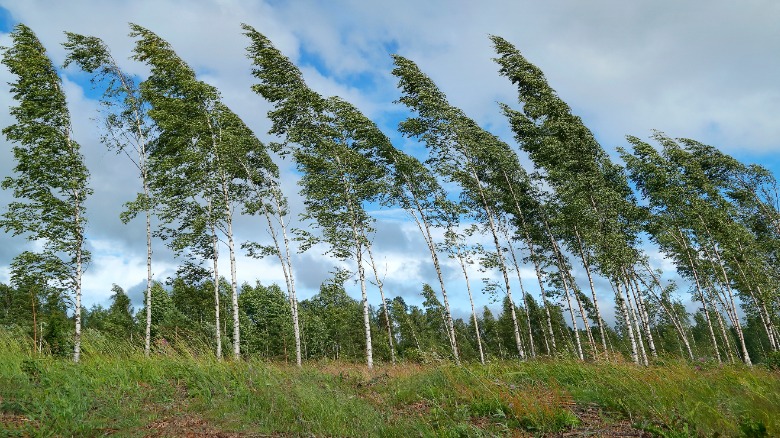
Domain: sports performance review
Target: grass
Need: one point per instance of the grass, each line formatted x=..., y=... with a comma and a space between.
x=115, y=390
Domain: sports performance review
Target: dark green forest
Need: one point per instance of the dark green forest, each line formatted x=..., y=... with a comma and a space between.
x=580, y=217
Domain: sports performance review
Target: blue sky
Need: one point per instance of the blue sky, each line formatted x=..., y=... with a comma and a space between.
x=704, y=72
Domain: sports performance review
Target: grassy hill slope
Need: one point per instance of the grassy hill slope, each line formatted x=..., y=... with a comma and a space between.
x=115, y=390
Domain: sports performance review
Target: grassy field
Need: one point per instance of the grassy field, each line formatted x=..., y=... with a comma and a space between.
x=115, y=390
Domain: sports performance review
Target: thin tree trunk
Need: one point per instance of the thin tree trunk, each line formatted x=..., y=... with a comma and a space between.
x=573, y=318
x=142, y=166
x=731, y=311
x=148, y=334
x=384, y=303
x=473, y=310
x=233, y=276
x=571, y=313
x=411, y=328
x=140, y=148
x=79, y=253
x=686, y=247
x=632, y=313
x=423, y=224
x=725, y=335
x=286, y=259
x=645, y=317
x=538, y=270
x=234, y=291
x=562, y=272
x=770, y=325
x=765, y=321
x=532, y=349
x=586, y=265
x=709, y=325
x=721, y=323
x=633, y=285
x=727, y=284
x=289, y=274
x=584, y=316
x=502, y=264
x=366, y=319
x=627, y=320
x=361, y=273
x=215, y=245
x=672, y=316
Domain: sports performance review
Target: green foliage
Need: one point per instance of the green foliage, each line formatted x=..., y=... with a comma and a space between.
x=331, y=324
x=265, y=322
x=772, y=361
x=51, y=184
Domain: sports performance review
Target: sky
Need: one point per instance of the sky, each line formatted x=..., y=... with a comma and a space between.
x=701, y=70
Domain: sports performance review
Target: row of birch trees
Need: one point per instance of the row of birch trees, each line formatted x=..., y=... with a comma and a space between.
x=577, y=219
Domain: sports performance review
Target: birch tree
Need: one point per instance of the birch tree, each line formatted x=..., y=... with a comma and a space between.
x=600, y=229
x=695, y=224
x=329, y=144
x=127, y=131
x=416, y=189
x=269, y=200
x=461, y=152
x=50, y=185
x=202, y=149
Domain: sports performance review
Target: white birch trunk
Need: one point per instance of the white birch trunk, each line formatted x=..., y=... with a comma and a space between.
x=234, y=289
x=288, y=273
x=627, y=319
x=384, y=303
x=586, y=265
x=233, y=276
x=709, y=325
x=684, y=243
x=532, y=350
x=148, y=334
x=727, y=285
x=672, y=316
x=424, y=225
x=366, y=319
x=215, y=244
x=584, y=317
x=530, y=245
x=571, y=313
x=766, y=321
x=731, y=308
x=645, y=318
x=564, y=279
x=77, y=280
x=502, y=264
x=361, y=273
x=635, y=321
x=725, y=335
x=473, y=309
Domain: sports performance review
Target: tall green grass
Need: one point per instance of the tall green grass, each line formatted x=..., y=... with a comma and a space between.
x=117, y=390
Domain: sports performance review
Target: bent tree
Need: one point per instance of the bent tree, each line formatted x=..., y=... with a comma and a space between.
x=602, y=230
x=325, y=139
x=127, y=131
x=461, y=152
x=51, y=182
x=199, y=158
x=269, y=200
